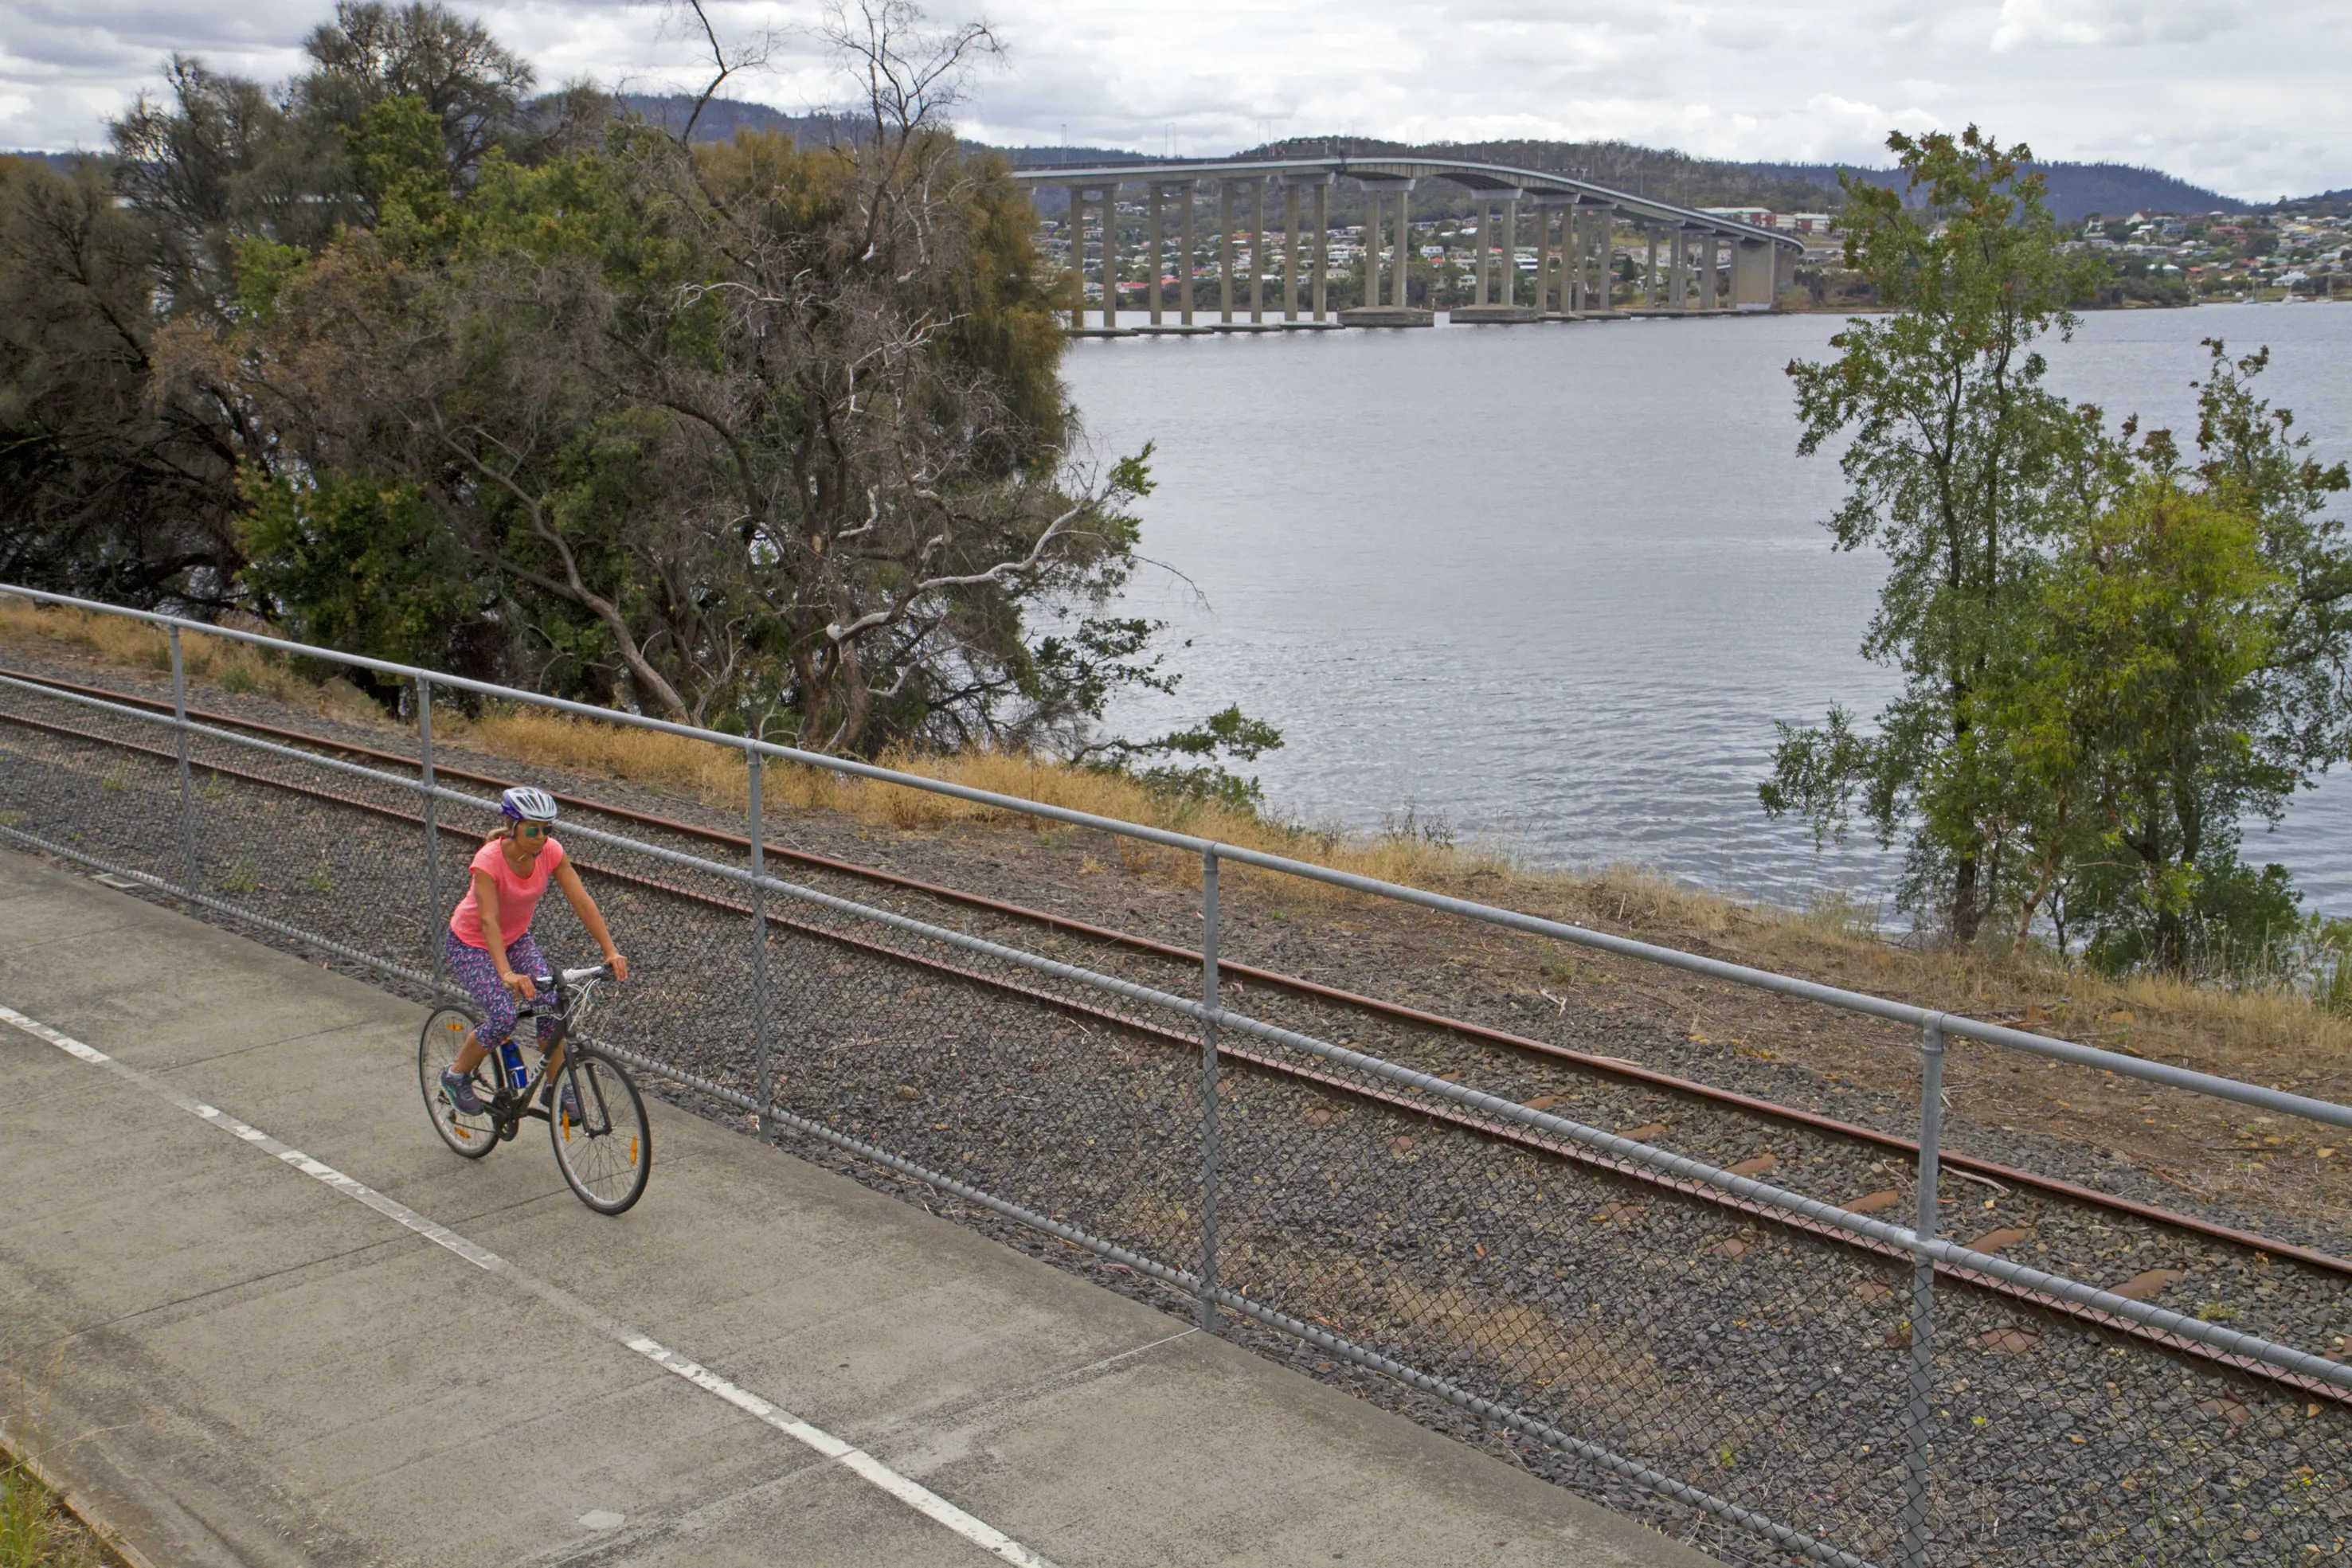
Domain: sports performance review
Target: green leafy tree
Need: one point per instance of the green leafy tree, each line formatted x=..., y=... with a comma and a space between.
x=2138, y=711
x=1958, y=465
x=123, y=427
x=354, y=564
x=1228, y=735
x=743, y=434
x=465, y=84
x=747, y=433
x=397, y=164
x=2184, y=671
x=2173, y=664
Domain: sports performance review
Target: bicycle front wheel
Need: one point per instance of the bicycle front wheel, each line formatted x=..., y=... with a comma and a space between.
x=604, y=1146
x=444, y=1035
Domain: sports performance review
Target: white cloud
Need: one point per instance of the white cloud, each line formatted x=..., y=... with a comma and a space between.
x=2111, y=23
x=2242, y=97
x=1748, y=31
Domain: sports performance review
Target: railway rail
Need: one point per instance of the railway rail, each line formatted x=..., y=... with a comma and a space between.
x=1608, y=1068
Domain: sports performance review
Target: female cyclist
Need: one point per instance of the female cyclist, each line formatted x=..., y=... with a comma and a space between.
x=488, y=947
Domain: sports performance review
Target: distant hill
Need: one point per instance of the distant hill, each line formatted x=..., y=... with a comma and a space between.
x=723, y=116
x=60, y=162
x=2077, y=190
x=1075, y=157
x=2327, y=203
x=1662, y=173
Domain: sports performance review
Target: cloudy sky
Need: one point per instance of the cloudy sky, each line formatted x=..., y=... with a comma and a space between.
x=2246, y=97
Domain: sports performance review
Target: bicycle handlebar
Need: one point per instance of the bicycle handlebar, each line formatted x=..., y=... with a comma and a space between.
x=574, y=977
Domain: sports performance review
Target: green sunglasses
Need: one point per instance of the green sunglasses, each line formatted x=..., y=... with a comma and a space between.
x=530, y=829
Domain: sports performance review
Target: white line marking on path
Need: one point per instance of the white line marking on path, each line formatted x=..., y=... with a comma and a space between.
x=914, y=1494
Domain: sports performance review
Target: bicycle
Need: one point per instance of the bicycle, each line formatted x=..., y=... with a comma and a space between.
x=605, y=1149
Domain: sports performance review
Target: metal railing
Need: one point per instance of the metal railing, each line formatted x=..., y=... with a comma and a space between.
x=1362, y=1208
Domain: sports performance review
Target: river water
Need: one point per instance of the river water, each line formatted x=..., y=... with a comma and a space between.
x=1551, y=585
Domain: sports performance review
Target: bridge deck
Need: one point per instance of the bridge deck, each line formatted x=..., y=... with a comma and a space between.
x=244, y=1366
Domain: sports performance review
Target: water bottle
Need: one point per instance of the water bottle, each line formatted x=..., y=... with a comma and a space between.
x=517, y=1074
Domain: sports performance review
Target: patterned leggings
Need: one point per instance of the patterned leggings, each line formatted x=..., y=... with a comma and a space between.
x=473, y=970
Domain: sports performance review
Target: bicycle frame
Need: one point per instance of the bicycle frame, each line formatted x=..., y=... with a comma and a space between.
x=509, y=1106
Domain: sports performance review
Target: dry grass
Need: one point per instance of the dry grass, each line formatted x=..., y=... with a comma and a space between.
x=716, y=773
x=2267, y=1033
x=236, y=667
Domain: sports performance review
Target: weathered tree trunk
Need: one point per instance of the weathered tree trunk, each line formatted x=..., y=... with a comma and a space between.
x=1967, y=913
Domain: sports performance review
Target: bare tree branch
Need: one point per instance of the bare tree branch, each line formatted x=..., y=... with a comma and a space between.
x=752, y=54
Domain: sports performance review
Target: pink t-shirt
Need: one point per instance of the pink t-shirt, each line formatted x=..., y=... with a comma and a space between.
x=517, y=895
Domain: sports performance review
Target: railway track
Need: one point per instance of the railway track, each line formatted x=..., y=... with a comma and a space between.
x=1797, y=1119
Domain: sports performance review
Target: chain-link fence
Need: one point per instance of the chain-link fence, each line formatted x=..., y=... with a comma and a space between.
x=1724, y=1340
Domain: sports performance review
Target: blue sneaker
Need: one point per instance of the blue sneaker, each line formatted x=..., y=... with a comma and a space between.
x=457, y=1088
x=569, y=1103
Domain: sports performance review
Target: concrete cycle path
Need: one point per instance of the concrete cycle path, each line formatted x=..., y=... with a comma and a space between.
x=238, y=1355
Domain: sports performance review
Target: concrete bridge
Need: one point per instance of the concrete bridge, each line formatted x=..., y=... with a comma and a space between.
x=1693, y=261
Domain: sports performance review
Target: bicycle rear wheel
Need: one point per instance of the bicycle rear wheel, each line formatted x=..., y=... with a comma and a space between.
x=444, y=1035
x=606, y=1152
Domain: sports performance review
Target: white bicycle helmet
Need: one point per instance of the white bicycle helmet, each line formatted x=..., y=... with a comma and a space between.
x=525, y=804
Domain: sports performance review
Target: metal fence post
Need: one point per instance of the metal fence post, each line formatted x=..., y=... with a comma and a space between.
x=1208, y=1091
x=760, y=951
x=187, y=792
x=432, y=822
x=1918, y=1432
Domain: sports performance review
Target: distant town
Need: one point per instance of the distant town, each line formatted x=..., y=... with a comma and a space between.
x=2231, y=256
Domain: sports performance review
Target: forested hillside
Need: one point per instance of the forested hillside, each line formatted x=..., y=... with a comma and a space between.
x=2077, y=190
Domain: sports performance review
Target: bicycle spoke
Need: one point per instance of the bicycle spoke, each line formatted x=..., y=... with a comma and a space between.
x=444, y=1035
x=606, y=1167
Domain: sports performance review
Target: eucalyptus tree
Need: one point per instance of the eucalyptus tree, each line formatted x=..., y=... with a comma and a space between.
x=472, y=87
x=2114, y=653
x=1959, y=462
x=744, y=433
x=122, y=481
x=2184, y=669
x=109, y=484
x=216, y=160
